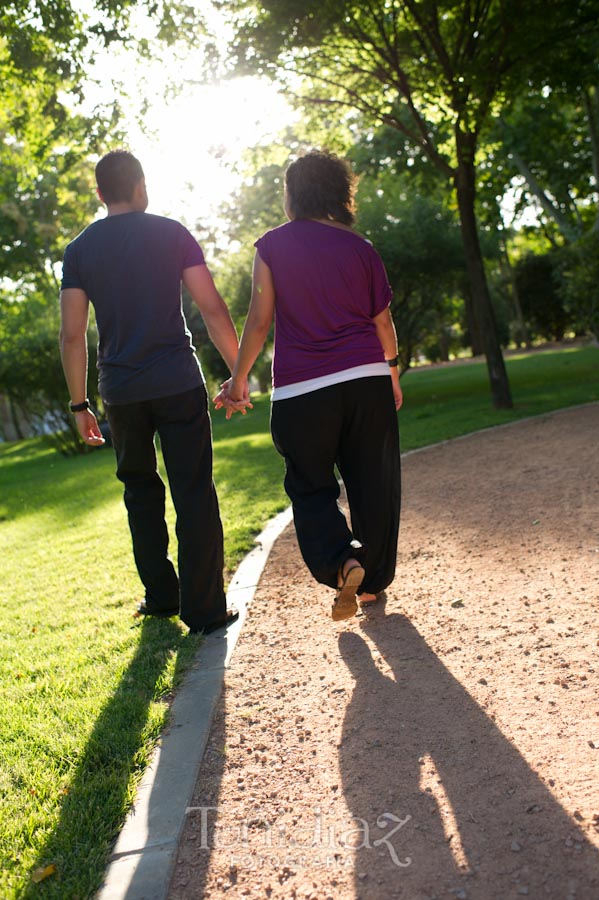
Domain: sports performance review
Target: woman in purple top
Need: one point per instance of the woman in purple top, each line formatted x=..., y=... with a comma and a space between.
x=335, y=380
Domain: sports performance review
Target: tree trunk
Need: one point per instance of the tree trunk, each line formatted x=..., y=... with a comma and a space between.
x=443, y=346
x=483, y=309
x=15, y=419
x=522, y=333
x=591, y=99
x=476, y=342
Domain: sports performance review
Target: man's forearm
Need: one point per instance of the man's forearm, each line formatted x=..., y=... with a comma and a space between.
x=223, y=335
x=214, y=311
x=74, y=363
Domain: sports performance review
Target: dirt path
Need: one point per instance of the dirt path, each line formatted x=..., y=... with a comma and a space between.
x=446, y=744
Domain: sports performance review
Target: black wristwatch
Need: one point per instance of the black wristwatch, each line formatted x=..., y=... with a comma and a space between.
x=79, y=407
x=393, y=363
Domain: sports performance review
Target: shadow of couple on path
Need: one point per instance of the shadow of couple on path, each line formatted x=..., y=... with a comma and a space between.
x=443, y=804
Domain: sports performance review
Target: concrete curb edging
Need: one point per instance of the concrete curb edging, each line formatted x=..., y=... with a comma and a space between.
x=143, y=859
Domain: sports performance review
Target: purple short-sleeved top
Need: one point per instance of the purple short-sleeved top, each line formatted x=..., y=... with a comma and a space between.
x=329, y=285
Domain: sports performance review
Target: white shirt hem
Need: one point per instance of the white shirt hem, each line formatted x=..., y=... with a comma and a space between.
x=285, y=392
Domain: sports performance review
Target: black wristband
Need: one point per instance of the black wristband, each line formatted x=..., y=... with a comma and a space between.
x=79, y=407
x=393, y=363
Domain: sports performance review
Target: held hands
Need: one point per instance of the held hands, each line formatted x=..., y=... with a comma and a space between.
x=234, y=396
x=88, y=428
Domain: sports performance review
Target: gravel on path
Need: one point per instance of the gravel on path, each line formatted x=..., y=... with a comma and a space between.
x=445, y=744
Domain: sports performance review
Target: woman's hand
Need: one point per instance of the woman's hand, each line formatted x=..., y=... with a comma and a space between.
x=397, y=392
x=234, y=396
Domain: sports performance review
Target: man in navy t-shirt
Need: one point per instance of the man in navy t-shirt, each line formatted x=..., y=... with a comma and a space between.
x=130, y=266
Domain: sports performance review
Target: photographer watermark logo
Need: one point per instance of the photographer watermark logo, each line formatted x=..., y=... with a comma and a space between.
x=257, y=841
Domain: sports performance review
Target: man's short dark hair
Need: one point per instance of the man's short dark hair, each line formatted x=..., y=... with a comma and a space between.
x=117, y=173
x=319, y=185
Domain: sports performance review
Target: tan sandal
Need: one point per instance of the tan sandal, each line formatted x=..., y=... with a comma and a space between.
x=346, y=605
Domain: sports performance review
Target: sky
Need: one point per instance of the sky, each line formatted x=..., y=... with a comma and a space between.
x=193, y=158
x=191, y=144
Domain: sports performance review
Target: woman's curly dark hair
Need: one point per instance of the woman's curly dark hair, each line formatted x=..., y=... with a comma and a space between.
x=319, y=185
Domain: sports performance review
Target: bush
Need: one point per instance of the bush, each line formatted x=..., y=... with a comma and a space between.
x=31, y=373
x=579, y=283
x=538, y=284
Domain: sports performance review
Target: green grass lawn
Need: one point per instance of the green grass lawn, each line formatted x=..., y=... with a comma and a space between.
x=85, y=690
x=445, y=402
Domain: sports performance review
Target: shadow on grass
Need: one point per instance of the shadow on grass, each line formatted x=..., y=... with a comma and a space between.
x=100, y=791
x=41, y=480
x=256, y=421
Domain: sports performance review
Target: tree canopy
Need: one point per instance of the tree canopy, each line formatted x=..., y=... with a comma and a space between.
x=435, y=70
x=445, y=107
x=47, y=148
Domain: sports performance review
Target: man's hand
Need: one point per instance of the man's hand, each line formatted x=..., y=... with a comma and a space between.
x=88, y=428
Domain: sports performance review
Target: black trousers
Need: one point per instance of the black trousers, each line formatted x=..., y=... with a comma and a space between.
x=183, y=424
x=352, y=425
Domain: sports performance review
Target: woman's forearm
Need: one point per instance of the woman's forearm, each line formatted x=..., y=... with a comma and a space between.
x=385, y=329
x=252, y=341
x=259, y=319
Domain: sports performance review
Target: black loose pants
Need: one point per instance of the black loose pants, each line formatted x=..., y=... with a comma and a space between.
x=352, y=425
x=183, y=424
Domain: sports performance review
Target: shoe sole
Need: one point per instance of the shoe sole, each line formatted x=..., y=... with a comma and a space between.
x=155, y=614
x=232, y=616
x=346, y=605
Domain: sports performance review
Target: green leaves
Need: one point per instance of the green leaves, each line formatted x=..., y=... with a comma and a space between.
x=420, y=243
x=47, y=192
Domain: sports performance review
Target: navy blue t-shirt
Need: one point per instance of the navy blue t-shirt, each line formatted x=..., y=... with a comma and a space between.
x=130, y=267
